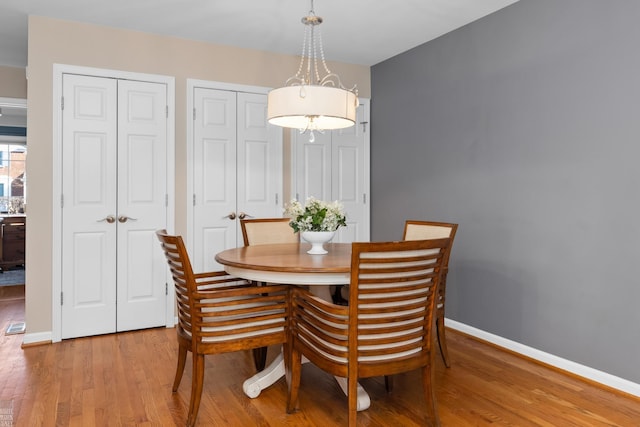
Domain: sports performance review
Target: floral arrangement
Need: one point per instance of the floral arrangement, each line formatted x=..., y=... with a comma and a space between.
x=315, y=215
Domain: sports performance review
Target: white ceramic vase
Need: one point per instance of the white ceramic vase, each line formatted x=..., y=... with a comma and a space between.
x=317, y=239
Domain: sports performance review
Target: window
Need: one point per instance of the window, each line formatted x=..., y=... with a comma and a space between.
x=13, y=157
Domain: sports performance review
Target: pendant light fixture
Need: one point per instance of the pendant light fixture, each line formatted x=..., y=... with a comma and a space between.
x=309, y=101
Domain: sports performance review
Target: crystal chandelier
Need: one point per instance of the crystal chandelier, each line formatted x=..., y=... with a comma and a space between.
x=308, y=101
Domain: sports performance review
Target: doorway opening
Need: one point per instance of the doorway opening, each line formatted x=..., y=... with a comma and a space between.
x=13, y=157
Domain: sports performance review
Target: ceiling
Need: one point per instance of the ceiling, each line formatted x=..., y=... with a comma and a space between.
x=363, y=32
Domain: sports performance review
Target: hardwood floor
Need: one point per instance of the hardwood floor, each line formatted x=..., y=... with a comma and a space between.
x=125, y=380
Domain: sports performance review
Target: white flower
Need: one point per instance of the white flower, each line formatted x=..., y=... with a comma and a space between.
x=316, y=215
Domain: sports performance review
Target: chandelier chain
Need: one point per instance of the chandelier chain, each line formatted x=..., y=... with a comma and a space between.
x=324, y=63
x=312, y=53
x=315, y=80
x=304, y=47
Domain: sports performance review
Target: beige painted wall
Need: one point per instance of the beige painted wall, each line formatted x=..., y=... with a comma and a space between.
x=53, y=41
x=13, y=82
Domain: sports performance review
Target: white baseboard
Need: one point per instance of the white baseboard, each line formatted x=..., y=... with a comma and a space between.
x=37, y=338
x=46, y=337
x=549, y=359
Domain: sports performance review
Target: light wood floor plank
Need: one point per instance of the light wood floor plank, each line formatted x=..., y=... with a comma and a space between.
x=125, y=380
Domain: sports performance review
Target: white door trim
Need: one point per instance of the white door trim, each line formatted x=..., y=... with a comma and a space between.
x=58, y=71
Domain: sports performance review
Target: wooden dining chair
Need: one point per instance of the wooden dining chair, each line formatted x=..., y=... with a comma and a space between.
x=218, y=313
x=387, y=328
x=422, y=230
x=262, y=231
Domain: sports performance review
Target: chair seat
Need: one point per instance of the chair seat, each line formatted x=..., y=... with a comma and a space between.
x=231, y=337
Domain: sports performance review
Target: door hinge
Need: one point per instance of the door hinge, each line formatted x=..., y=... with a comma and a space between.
x=364, y=198
x=166, y=288
x=194, y=113
x=194, y=199
x=276, y=198
x=62, y=201
x=166, y=111
x=62, y=102
x=61, y=298
x=166, y=200
x=364, y=126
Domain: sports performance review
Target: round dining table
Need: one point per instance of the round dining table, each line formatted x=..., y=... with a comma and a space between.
x=289, y=263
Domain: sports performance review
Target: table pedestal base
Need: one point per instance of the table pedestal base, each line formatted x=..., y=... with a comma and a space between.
x=253, y=386
x=363, y=398
x=263, y=379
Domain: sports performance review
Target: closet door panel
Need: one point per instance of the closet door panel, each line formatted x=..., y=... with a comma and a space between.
x=254, y=170
x=89, y=197
x=259, y=167
x=142, y=193
x=214, y=176
x=347, y=183
x=313, y=166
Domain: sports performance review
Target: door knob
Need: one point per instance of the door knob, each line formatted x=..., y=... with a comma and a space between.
x=109, y=218
x=231, y=216
x=124, y=218
x=244, y=215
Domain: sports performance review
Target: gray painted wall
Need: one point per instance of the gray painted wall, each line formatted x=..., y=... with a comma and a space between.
x=524, y=128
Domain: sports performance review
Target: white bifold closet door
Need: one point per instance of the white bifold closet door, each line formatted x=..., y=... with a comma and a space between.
x=237, y=169
x=114, y=198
